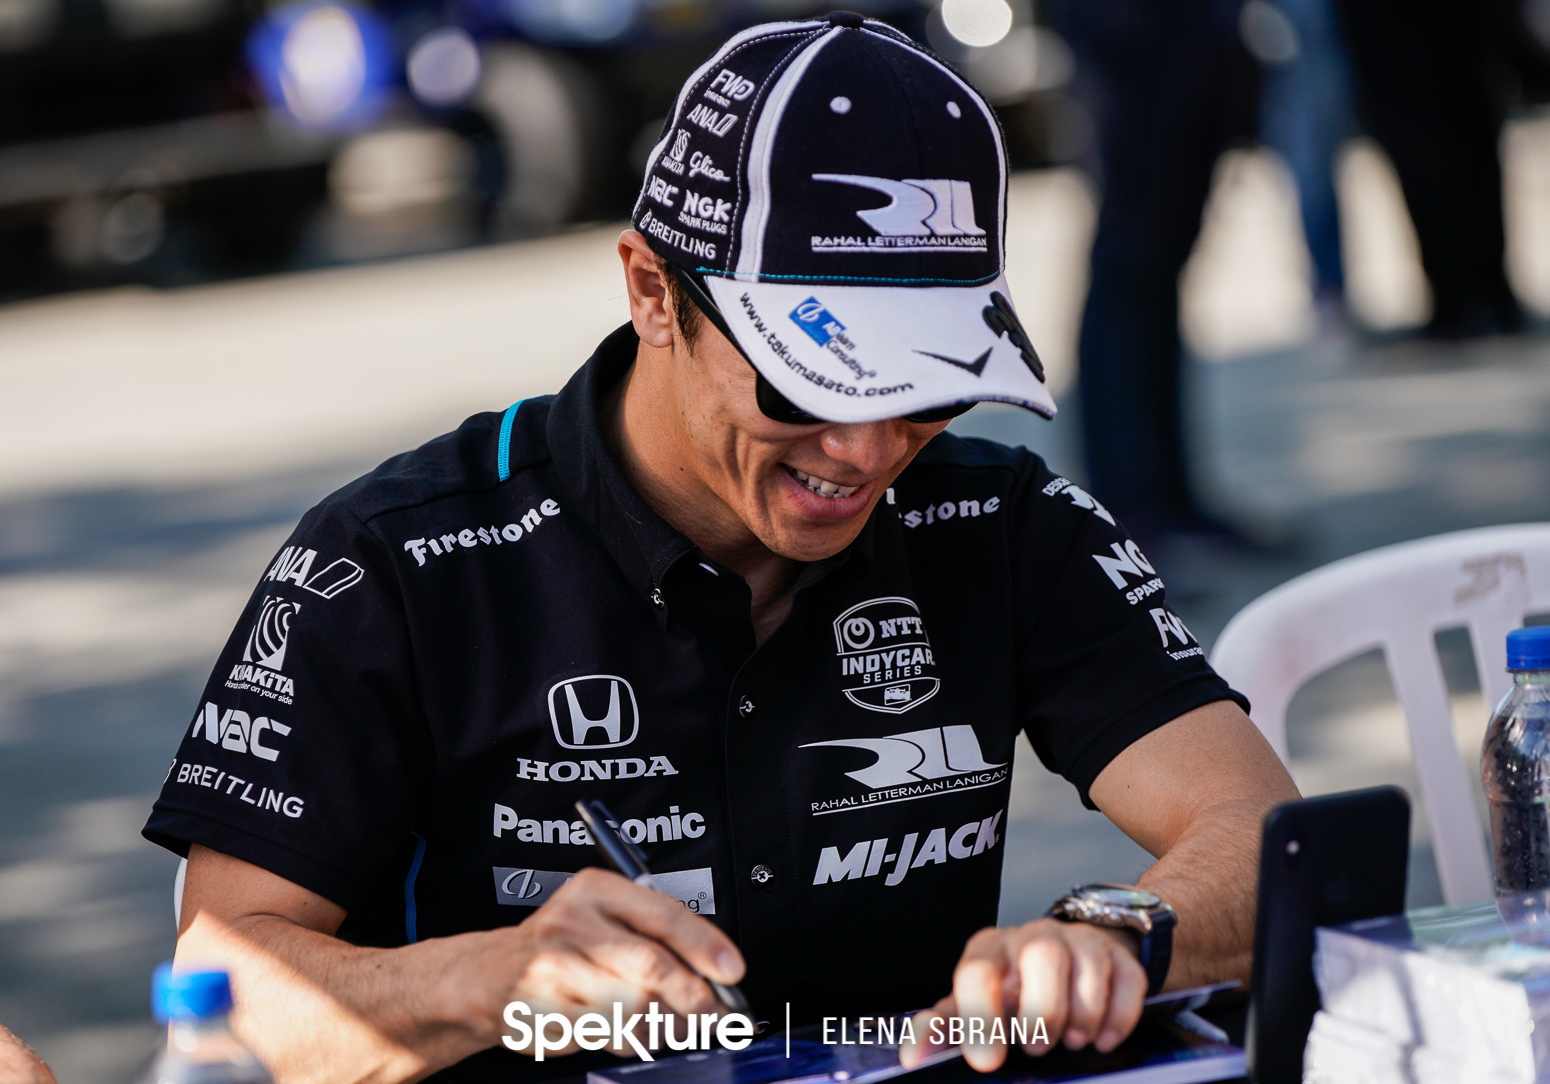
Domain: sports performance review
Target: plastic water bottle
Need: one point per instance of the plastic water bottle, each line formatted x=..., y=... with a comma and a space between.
x=200, y=1046
x=1515, y=768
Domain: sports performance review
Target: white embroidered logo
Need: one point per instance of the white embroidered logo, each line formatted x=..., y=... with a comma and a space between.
x=917, y=208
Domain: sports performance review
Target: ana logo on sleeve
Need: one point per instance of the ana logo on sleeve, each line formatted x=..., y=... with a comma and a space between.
x=294, y=565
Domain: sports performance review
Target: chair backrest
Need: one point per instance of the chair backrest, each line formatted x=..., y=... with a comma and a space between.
x=1397, y=598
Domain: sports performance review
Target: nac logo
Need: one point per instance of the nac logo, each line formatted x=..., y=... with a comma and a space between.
x=916, y=208
x=236, y=730
x=594, y=712
x=271, y=632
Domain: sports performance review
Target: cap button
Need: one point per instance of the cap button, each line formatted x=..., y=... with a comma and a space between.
x=846, y=18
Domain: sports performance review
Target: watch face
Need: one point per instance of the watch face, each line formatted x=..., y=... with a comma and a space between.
x=1119, y=896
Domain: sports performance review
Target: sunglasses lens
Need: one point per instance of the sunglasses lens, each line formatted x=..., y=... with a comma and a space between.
x=776, y=407
x=940, y=414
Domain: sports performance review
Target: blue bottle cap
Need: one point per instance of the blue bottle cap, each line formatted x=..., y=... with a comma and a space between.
x=1529, y=649
x=189, y=995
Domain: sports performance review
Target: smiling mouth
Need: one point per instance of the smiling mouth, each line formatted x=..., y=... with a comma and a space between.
x=832, y=490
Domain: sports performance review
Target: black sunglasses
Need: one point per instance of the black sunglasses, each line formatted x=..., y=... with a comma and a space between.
x=772, y=404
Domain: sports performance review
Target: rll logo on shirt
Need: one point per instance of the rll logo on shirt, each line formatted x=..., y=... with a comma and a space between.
x=915, y=764
x=938, y=752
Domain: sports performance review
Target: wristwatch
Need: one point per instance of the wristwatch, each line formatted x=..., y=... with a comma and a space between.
x=1126, y=908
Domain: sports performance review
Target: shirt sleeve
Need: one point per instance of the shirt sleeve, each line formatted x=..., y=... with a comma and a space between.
x=307, y=755
x=1103, y=659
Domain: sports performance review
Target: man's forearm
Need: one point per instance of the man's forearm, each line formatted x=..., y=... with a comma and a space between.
x=314, y=1008
x=1195, y=793
x=1210, y=876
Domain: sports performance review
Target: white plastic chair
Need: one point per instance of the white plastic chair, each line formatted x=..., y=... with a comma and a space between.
x=1396, y=598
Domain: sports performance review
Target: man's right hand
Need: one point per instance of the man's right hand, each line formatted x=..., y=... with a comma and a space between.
x=315, y=1008
x=603, y=940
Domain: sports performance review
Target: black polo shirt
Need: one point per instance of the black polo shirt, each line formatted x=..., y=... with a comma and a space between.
x=450, y=651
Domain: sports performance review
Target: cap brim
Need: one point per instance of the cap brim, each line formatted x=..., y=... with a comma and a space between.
x=862, y=353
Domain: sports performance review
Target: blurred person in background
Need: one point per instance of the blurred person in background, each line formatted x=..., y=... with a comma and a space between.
x=1305, y=115
x=1430, y=79
x=1170, y=86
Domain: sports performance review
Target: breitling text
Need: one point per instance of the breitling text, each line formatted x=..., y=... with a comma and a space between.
x=206, y=775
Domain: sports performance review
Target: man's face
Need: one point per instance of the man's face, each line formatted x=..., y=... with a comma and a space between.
x=805, y=491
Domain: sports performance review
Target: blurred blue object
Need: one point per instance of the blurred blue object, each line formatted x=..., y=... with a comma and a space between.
x=188, y=995
x=327, y=65
x=444, y=67
x=572, y=22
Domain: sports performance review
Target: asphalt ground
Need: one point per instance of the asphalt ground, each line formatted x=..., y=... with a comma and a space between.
x=156, y=448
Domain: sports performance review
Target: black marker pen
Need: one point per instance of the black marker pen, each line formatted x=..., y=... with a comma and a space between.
x=627, y=858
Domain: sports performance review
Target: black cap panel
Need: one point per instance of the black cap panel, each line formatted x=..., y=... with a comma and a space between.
x=695, y=184
x=885, y=170
x=817, y=152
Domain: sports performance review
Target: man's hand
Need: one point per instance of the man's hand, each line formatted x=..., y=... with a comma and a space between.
x=602, y=940
x=1195, y=793
x=315, y=1008
x=1084, y=982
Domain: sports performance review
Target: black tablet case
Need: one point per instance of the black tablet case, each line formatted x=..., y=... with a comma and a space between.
x=1324, y=861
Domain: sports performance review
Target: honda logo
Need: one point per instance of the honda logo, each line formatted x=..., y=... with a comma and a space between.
x=594, y=712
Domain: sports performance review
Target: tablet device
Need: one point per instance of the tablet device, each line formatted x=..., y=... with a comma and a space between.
x=1323, y=861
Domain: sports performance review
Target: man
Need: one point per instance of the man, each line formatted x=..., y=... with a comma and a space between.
x=1170, y=87
x=733, y=582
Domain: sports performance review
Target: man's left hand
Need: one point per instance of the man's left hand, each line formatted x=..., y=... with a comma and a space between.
x=1084, y=981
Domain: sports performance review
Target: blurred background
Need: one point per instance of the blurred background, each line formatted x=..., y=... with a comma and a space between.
x=1288, y=263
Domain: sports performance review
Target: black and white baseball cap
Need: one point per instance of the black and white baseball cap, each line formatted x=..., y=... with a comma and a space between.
x=840, y=195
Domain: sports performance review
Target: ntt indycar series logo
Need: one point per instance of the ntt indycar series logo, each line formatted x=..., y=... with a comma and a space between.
x=885, y=655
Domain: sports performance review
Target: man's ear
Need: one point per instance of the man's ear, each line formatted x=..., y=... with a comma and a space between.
x=648, y=293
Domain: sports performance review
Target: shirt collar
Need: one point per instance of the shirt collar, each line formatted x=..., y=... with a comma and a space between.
x=645, y=546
